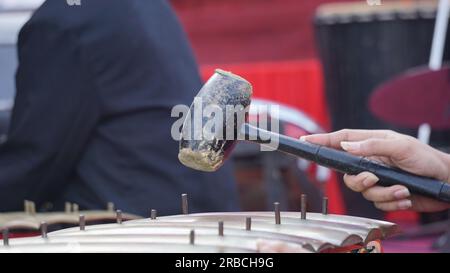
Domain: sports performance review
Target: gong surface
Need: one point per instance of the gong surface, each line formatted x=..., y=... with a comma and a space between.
x=199, y=233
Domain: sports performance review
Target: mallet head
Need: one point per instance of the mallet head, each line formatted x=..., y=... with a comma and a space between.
x=214, y=120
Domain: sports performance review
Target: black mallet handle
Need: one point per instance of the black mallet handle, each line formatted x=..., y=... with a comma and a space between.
x=347, y=163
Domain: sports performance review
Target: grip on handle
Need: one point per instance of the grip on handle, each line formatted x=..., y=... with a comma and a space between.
x=347, y=163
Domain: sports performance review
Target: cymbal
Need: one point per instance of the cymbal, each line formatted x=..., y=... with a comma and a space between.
x=413, y=98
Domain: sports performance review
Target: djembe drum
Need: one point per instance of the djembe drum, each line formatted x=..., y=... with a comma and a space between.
x=362, y=46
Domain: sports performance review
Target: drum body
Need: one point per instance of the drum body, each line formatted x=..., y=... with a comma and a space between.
x=363, y=46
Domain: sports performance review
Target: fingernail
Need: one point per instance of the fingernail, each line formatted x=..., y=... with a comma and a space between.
x=303, y=138
x=404, y=204
x=402, y=194
x=370, y=180
x=350, y=146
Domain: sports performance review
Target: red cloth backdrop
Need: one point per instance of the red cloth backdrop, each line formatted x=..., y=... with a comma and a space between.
x=230, y=31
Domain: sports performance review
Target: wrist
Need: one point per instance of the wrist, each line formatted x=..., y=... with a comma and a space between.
x=446, y=160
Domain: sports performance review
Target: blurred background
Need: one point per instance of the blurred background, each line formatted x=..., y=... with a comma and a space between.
x=322, y=60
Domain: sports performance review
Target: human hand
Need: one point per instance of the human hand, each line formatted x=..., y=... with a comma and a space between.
x=393, y=149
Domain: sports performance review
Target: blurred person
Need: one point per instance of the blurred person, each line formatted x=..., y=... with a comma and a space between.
x=394, y=149
x=19, y=4
x=92, y=116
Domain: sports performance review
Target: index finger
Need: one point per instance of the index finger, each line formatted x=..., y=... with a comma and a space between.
x=334, y=139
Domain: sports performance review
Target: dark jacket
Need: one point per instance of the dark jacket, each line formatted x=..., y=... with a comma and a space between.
x=91, y=121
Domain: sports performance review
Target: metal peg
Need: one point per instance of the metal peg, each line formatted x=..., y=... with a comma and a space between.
x=44, y=229
x=277, y=213
x=75, y=208
x=221, y=228
x=184, y=203
x=5, y=234
x=26, y=206
x=248, y=223
x=153, y=214
x=325, y=206
x=67, y=207
x=119, y=216
x=82, y=222
x=110, y=206
x=303, y=206
x=32, y=207
x=192, y=237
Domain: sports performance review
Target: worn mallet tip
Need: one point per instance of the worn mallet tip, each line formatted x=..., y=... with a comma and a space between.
x=222, y=91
